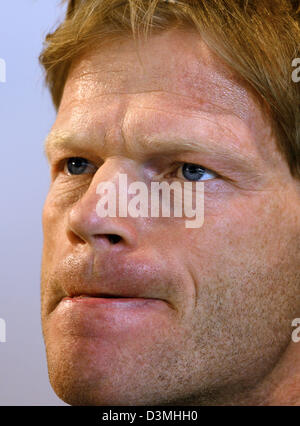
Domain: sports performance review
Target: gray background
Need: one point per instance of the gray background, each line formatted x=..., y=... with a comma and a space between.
x=26, y=116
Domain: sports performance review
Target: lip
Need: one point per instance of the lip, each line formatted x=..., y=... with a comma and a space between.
x=106, y=318
x=110, y=300
x=118, y=281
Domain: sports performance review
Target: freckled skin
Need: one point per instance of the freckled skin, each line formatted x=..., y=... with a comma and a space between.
x=232, y=286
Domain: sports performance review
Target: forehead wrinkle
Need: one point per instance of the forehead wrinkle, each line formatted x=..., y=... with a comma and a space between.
x=187, y=106
x=191, y=97
x=171, y=141
x=191, y=77
x=161, y=142
x=190, y=73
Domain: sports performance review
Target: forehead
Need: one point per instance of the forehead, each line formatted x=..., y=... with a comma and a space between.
x=175, y=64
x=172, y=83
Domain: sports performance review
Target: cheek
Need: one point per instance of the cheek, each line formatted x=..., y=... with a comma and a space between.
x=53, y=220
x=251, y=232
x=245, y=272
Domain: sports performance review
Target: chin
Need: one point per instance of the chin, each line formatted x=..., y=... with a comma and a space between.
x=95, y=374
x=78, y=383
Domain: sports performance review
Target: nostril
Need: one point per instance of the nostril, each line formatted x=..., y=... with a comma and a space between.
x=114, y=238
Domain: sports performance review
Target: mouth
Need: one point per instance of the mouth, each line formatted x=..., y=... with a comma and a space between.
x=80, y=299
x=104, y=316
x=104, y=298
x=112, y=304
x=101, y=296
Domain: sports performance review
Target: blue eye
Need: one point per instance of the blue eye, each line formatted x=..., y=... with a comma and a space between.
x=78, y=166
x=194, y=172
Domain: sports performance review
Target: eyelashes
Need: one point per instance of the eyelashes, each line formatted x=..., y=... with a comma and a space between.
x=79, y=166
x=195, y=173
x=190, y=172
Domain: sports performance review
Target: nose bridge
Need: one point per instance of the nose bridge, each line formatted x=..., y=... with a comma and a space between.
x=113, y=171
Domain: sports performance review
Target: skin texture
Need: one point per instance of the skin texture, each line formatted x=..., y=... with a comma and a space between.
x=220, y=331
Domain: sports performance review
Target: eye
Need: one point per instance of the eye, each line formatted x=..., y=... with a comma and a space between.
x=79, y=166
x=194, y=172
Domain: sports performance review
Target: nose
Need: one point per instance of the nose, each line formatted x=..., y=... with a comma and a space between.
x=85, y=226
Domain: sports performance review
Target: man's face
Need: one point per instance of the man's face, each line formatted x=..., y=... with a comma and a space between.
x=209, y=309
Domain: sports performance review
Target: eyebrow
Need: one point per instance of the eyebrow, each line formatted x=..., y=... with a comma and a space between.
x=62, y=140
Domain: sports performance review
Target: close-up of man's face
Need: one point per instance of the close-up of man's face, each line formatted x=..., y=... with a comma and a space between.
x=144, y=310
